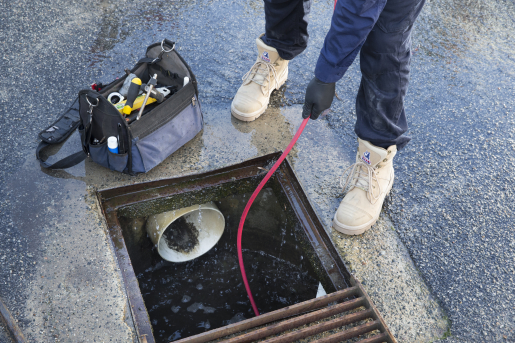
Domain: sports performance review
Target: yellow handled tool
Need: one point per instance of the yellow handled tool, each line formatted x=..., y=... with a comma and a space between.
x=132, y=95
x=138, y=102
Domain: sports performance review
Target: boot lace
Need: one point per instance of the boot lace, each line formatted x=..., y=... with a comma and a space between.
x=259, y=73
x=362, y=176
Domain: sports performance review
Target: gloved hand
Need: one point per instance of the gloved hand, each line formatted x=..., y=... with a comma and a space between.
x=319, y=97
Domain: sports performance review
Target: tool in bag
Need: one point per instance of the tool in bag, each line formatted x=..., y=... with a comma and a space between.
x=158, y=95
x=169, y=118
x=150, y=84
x=115, y=98
x=131, y=95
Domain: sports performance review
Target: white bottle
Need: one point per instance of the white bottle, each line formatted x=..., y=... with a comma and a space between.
x=112, y=144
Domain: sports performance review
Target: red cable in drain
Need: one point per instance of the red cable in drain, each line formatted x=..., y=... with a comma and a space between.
x=251, y=200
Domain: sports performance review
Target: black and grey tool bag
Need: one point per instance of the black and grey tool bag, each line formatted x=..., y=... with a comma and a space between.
x=142, y=144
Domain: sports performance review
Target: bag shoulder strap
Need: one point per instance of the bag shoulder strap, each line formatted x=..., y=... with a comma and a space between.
x=57, y=133
x=63, y=127
x=67, y=162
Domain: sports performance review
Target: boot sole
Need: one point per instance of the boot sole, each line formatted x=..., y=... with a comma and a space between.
x=358, y=230
x=254, y=115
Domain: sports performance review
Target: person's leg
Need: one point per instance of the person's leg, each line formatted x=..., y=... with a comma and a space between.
x=286, y=36
x=385, y=65
x=286, y=27
x=381, y=121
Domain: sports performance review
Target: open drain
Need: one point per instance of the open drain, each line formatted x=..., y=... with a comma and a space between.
x=289, y=256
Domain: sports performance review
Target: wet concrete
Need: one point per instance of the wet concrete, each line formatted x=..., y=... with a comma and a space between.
x=58, y=274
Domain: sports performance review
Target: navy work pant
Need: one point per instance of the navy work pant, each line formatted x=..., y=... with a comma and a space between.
x=384, y=59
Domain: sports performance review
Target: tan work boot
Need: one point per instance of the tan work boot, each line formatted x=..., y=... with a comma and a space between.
x=268, y=73
x=370, y=179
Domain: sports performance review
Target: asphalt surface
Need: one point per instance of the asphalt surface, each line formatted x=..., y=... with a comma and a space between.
x=452, y=203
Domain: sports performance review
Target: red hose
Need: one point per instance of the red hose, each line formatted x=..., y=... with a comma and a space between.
x=251, y=200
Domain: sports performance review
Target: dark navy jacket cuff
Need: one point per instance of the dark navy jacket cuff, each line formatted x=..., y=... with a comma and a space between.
x=325, y=72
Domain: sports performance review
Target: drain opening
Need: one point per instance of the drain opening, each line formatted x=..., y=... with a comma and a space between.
x=184, y=234
x=188, y=298
x=289, y=257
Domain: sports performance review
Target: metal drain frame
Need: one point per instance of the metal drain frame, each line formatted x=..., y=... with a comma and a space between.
x=10, y=323
x=114, y=199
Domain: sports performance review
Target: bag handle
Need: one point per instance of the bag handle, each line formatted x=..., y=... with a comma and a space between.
x=150, y=60
x=87, y=116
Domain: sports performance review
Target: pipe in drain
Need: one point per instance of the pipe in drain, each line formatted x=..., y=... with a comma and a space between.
x=185, y=234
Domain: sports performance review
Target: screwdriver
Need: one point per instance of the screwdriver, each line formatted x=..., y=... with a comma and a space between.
x=131, y=95
x=157, y=94
x=151, y=84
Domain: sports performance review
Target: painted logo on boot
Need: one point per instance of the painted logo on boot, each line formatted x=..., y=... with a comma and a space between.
x=265, y=57
x=366, y=157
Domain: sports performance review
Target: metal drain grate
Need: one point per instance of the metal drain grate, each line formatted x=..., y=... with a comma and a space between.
x=349, y=312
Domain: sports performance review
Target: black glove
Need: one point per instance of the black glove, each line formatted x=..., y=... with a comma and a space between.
x=319, y=97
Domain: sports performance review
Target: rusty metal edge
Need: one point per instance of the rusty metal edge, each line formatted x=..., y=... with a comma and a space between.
x=323, y=327
x=110, y=193
x=314, y=228
x=297, y=321
x=141, y=321
x=375, y=339
x=9, y=321
x=351, y=333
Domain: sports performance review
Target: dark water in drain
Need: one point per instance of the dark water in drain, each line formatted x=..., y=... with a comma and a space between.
x=188, y=298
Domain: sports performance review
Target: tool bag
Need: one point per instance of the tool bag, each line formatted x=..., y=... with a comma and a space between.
x=142, y=144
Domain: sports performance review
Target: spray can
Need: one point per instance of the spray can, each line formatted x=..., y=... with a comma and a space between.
x=112, y=144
